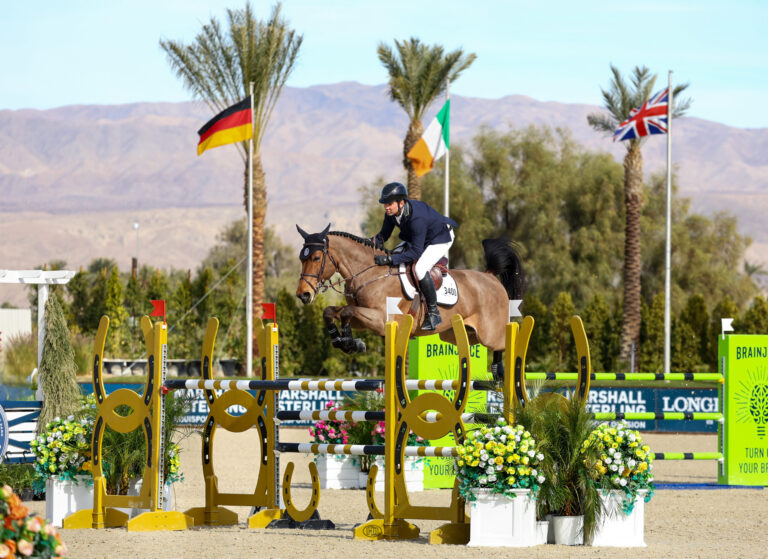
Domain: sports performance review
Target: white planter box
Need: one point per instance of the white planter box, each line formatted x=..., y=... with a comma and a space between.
x=568, y=530
x=63, y=497
x=413, y=469
x=338, y=472
x=614, y=528
x=497, y=520
x=542, y=532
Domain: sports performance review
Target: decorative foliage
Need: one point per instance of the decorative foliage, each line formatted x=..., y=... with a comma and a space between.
x=63, y=449
x=57, y=367
x=173, y=471
x=23, y=534
x=500, y=458
x=624, y=462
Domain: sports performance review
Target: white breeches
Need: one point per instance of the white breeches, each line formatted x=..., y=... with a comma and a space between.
x=430, y=256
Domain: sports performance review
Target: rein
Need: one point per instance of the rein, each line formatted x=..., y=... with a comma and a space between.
x=322, y=285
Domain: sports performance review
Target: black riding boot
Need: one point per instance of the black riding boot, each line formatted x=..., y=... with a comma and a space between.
x=432, y=319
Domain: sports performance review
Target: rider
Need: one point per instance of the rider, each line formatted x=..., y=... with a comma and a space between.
x=428, y=235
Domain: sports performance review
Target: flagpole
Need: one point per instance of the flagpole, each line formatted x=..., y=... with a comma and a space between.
x=446, y=187
x=249, y=282
x=668, y=244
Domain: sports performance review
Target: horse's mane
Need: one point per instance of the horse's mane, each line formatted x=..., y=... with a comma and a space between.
x=361, y=240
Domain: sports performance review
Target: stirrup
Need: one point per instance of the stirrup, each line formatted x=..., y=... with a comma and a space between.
x=431, y=321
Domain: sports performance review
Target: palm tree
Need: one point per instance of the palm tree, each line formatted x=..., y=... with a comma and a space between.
x=217, y=67
x=418, y=74
x=619, y=99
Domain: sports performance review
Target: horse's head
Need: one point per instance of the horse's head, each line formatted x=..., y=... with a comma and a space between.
x=314, y=270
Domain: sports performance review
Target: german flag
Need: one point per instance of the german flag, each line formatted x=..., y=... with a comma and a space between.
x=231, y=125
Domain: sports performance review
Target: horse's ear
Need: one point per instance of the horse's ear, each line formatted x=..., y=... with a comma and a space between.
x=301, y=231
x=325, y=231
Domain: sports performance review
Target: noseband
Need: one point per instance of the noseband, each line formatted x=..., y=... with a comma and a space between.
x=319, y=281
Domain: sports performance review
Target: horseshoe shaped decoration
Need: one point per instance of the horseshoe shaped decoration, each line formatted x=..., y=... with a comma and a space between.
x=304, y=514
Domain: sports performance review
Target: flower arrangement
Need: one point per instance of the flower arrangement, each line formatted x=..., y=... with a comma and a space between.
x=63, y=450
x=173, y=471
x=329, y=432
x=624, y=462
x=23, y=534
x=500, y=458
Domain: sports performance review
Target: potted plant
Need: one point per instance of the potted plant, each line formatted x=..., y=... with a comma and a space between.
x=498, y=473
x=21, y=478
x=336, y=471
x=23, y=534
x=623, y=473
x=568, y=496
x=62, y=458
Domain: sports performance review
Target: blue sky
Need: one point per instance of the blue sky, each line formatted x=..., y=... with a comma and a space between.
x=67, y=52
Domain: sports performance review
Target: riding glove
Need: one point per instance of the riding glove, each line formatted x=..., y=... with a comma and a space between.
x=382, y=260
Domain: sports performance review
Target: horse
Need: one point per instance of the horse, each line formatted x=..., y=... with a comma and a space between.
x=483, y=296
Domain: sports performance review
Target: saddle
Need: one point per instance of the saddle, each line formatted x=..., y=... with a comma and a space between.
x=445, y=286
x=438, y=271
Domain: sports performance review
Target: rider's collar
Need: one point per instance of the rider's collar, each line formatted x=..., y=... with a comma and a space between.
x=404, y=213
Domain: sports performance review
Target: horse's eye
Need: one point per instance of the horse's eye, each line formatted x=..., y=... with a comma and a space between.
x=316, y=259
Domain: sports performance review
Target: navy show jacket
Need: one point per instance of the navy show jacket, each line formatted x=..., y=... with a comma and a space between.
x=420, y=226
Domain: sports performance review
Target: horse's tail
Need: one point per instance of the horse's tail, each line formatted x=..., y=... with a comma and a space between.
x=502, y=259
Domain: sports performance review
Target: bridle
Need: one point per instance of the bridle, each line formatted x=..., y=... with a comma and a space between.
x=322, y=285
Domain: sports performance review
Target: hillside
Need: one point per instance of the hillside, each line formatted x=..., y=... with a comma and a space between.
x=73, y=179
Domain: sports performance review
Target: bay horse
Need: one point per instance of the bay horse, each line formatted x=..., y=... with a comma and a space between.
x=483, y=297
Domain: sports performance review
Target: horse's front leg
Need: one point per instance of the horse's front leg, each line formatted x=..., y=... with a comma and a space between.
x=497, y=366
x=349, y=344
x=330, y=315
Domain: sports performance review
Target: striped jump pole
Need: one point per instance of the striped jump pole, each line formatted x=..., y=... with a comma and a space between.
x=364, y=449
x=693, y=377
x=369, y=385
x=355, y=416
x=665, y=416
x=687, y=456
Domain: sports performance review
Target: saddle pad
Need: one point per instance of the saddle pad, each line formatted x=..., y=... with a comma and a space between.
x=447, y=295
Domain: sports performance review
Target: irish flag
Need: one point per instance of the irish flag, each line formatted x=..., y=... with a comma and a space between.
x=433, y=144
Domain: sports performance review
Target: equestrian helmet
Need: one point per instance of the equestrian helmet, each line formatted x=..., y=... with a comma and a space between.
x=393, y=191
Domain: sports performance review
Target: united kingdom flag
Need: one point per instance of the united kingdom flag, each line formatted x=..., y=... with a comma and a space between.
x=649, y=119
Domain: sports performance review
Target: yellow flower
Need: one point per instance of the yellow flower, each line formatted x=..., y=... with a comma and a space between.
x=499, y=460
x=460, y=462
x=511, y=480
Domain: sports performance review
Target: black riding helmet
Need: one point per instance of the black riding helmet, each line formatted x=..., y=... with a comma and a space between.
x=393, y=191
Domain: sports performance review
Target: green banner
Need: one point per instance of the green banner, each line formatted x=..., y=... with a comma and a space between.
x=429, y=358
x=743, y=439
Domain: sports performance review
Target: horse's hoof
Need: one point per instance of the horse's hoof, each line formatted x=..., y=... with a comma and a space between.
x=360, y=345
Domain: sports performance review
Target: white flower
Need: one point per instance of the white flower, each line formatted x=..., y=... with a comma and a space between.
x=617, y=456
x=632, y=437
x=534, y=472
x=503, y=438
x=616, y=481
x=531, y=453
x=507, y=430
x=491, y=479
x=482, y=480
x=489, y=470
x=608, y=460
x=499, y=467
x=614, y=468
x=631, y=463
x=539, y=456
x=489, y=435
x=540, y=479
x=496, y=430
x=622, y=482
x=70, y=418
x=611, y=450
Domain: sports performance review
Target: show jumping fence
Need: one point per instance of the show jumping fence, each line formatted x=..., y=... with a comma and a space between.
x=430, y=415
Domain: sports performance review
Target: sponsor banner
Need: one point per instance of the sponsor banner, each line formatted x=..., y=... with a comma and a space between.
x=625, y=400
x=290, y=400
x=3, y=433
x=657, y=400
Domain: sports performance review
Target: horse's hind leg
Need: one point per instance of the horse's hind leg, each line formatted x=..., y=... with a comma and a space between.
x=497, y=366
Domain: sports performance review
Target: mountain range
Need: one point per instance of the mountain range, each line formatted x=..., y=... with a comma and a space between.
x=74, y=179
